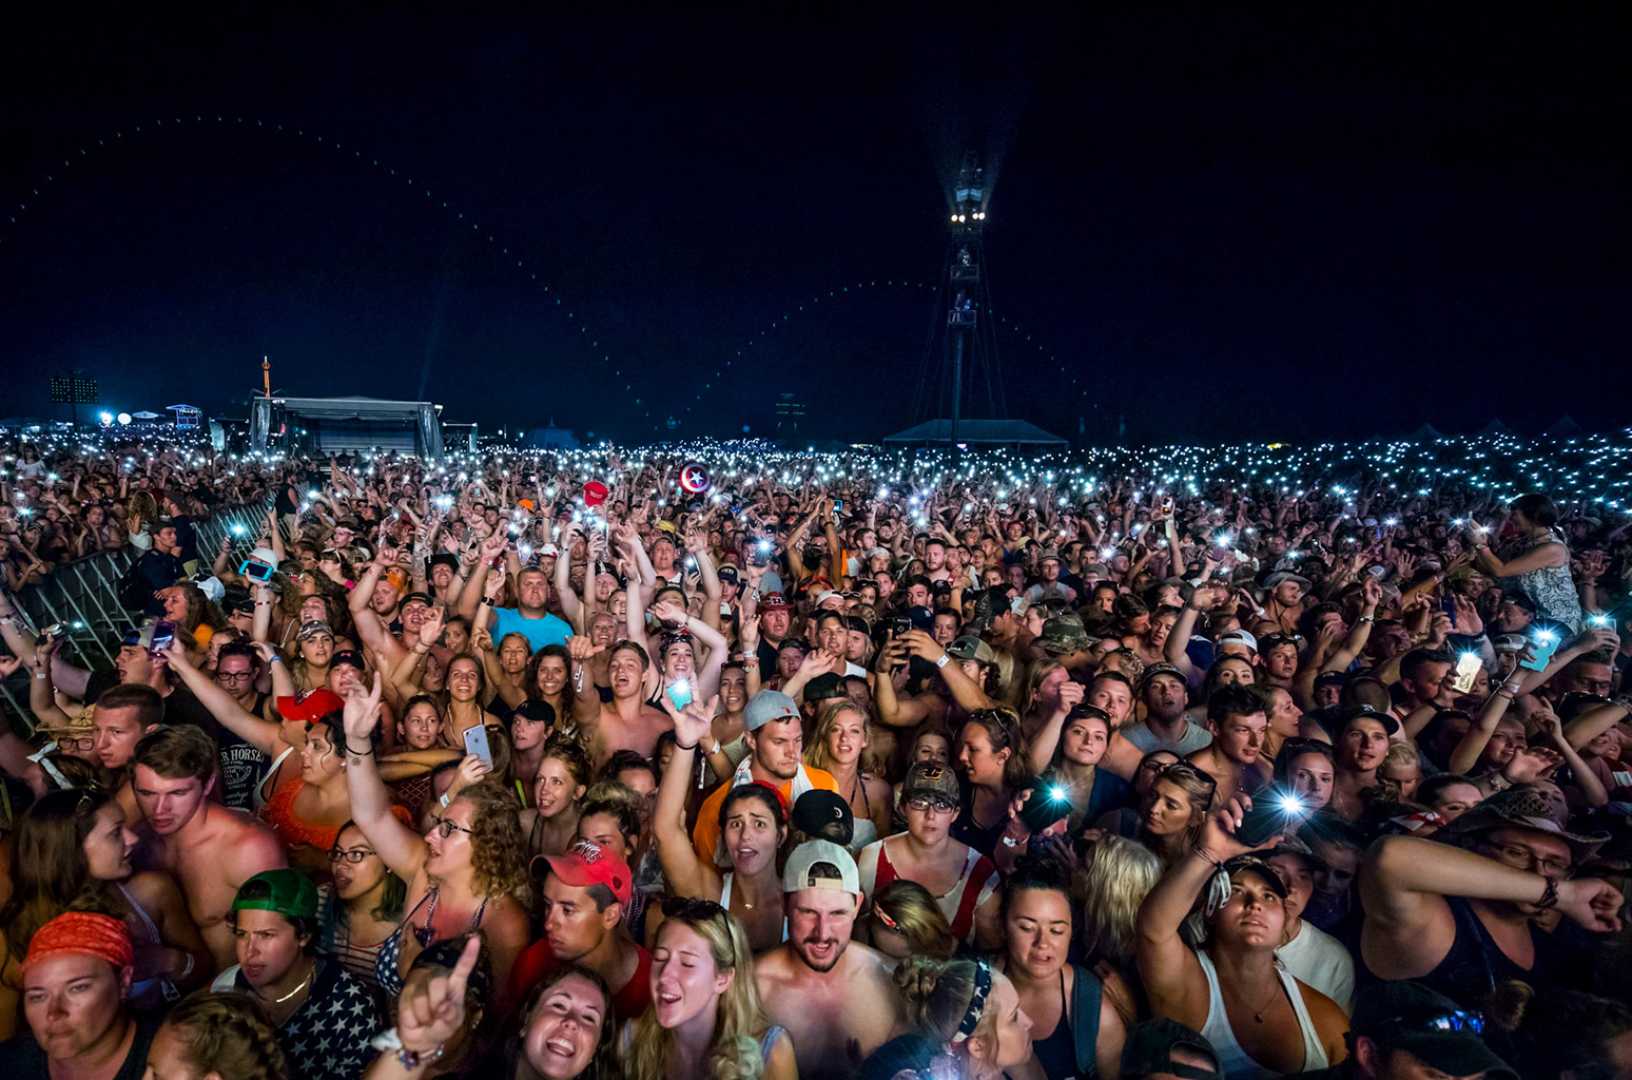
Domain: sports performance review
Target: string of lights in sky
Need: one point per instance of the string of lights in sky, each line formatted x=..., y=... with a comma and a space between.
x=505, y=249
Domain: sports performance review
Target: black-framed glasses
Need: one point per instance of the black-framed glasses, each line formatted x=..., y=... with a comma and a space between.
x=925, y=804
x=75, y=742
x=233, y=676
x=445, y=828
x=351, y=855
x=1521, y=857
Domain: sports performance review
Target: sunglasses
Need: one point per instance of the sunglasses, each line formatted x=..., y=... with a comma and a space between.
x=1185, y=771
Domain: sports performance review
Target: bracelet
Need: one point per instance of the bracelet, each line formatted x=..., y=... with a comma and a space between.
x=359, y=753
x=1549, y=895
x=1199, y=850
x=186, y=968
x=277, y=658
x=1366, y=618
x=678, y=745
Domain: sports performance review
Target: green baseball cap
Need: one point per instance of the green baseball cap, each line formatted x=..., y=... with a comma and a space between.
x=290, y=893
x=1063, y=634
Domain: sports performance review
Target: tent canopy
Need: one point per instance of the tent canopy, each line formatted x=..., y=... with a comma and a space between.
x=978, y=433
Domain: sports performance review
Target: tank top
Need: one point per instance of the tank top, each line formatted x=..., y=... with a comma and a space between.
x=1217, y=1030
x=1550, y=588
x=153, y=991
x=1475, y=964
x=388, y=961
x=865, y=830
x=1057, y=1054
x=959, y=902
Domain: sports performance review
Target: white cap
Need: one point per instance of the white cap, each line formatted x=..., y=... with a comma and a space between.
x=796, y=874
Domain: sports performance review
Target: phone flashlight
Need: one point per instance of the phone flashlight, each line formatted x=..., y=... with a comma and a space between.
x=1601, y=621
x=236, y=529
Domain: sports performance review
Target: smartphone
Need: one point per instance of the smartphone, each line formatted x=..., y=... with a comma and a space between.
x=54, y=630
x=760, y=553
x=1543, y=644
x=1380, y=571
x=899, y=625
x=476, y=743
x=256, y=570
x=1467, y=670
x=1167, y=505
x=1447, y=604
x=164, y=632
x=1049, y=802
x=679, y=693
x=1600, y=622
x=1275, y=811
x=838, y=507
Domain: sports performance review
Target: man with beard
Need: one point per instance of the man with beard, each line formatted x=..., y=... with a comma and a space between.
x=208, y=849
x=834, y=995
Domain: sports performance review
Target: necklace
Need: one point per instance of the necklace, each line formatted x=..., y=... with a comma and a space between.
x=1258, y=1013
x=292, y=993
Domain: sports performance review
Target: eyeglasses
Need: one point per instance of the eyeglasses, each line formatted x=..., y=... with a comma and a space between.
x=926, y=804
x=1521, y=857
x=445, y=828
x=233, y=676
x=351, y=855
x=75, y=742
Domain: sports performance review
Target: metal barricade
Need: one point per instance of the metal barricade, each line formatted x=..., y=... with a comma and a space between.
x=83, y=596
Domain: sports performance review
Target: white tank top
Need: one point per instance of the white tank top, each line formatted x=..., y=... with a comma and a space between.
x=725, y=900
x=1217, y=1030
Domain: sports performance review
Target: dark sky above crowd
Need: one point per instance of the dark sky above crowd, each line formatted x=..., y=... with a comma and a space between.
x=1226, y=221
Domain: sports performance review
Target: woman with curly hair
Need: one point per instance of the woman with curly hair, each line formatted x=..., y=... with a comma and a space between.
x=466, y=872
x=217, y=1034
x=705, y=1019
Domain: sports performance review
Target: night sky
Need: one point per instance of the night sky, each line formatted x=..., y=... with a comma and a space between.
x=1318, y=222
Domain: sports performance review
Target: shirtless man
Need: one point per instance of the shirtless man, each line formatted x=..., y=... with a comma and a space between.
x=1235, y=716
x=626, y=722
x=833, y=995
x=209, y=849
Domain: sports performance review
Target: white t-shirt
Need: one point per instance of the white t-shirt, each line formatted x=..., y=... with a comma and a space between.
x=1320, y=960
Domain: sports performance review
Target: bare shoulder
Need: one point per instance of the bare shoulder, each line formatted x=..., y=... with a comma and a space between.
x=1327, y=1015
x=866, y=962
x=247, y=845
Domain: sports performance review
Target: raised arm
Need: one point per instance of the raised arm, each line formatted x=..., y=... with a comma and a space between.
x=1467, y=751
x=1040, y=754
x=965, y=691
x=682, y=869
x=402, y=849
x=1176, y=650
x=263, y=736
x=570, y=607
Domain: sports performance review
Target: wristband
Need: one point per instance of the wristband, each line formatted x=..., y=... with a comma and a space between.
x=678, y=745
x=1199, y=850
x=1549, y=895
x=943, y=661
x=1366, y=618
x=276, y=659
x=359, y=753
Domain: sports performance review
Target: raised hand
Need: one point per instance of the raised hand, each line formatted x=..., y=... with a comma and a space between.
x=580, y=648
x=670, y=613
x=430, y=1014
x=1532, y=763
x=1218, y=830
x=430, y=626
x=1467, y=619
x=362, y=712
x=693, y=723
x=1071, y=695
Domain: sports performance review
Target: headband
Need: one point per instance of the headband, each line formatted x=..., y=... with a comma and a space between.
x=977, y=1004
x=85, y=932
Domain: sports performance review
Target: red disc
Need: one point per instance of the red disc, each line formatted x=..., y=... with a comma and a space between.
x=595, y=493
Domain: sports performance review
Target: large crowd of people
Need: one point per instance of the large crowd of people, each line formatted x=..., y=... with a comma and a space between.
x=721, y=763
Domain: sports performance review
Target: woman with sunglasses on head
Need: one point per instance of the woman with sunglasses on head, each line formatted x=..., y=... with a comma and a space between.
x=1174, y=810
x=462, y=874
x=362, y=905
x=963, y=881
x=71, y=852
x=1077, y=1029
x=753, y=827
x=705, y=1019
x=904, y=920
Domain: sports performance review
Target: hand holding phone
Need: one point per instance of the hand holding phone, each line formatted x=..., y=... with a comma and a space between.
x=477, y=746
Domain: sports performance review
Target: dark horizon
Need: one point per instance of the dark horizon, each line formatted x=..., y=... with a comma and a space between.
x=1287, y=223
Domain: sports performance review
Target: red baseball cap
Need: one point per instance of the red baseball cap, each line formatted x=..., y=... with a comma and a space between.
x=774, y=602
x=312, y=707
x=585, y=864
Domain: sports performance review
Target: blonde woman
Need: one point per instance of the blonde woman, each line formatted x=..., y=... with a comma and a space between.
x=903, y=920
x=705, y=1019
x=840, y=747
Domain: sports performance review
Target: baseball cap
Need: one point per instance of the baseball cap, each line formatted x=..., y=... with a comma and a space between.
x=1359, y=712
x=824, y=687
x=799, y=871
x=1149, y=1048
x=423, y=597
x=768, y=706
x=824, y=815
x=928, y=778
x=1063, y=634
x=311, y=707
x=1252, y=864
x=445, y=558
x=969, y=647
x=347, y=656
x=773, y=602
x=826, y=595
x=547, y=551
x=586, y=864
x=1427, y=1025
x=1238, y=637
x=312, y=628
x=728, y=573
x=1161, y=668
x=288, y=892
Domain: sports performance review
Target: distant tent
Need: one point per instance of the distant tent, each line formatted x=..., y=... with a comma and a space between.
x=1426, y=433
x=1563, y=428
x=550, y=438
x=977, y=433
x=1497, y=428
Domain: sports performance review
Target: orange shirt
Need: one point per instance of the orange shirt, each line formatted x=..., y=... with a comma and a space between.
x=705, y=835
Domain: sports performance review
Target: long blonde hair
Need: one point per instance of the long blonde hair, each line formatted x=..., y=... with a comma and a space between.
x=818, y=756
x=734, y=1054
x=1111, y=889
